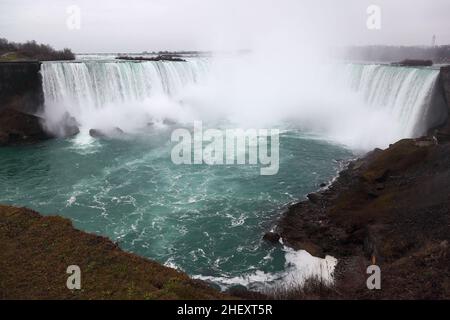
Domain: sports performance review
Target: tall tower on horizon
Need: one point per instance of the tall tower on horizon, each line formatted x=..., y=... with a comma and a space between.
x=433, y=41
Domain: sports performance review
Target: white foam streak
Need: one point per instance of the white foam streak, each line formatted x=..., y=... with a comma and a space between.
x=299, y=267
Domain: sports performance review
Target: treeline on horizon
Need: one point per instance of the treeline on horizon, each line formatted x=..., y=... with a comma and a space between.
x=438, y=54
x=31, y=50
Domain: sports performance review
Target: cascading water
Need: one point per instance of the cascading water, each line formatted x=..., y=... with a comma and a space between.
x=105, y=93
x=404, y=93
x=98, y=83
x=381, y=103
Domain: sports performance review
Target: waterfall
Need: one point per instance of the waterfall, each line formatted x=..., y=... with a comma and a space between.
x=363, y=106
x=97, y=83
x=405, y=93
x=105, y=94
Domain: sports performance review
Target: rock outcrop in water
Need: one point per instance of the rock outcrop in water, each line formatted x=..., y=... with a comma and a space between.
x=114, y=133
x=69, y=125
x=37, y=250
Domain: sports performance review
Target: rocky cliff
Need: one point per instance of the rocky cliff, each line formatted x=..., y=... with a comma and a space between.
x=21, y=86
x=445, y=77
x=21, y=98
x=390, y=208
x=445, y=83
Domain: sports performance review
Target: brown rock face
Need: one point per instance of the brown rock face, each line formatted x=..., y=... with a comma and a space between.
x=444, y=132
x=17, y=127
x=21, y=86
x=21, y=96
x=272, y=237
x=392, y=207
x=445, y=78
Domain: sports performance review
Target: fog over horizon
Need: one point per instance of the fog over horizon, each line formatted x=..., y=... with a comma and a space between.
x=138, y=25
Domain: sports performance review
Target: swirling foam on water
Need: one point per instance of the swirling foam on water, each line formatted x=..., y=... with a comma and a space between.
x=205, y=220
x=299, y=267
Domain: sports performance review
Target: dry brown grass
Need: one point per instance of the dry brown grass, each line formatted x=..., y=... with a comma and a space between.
x=36, y=251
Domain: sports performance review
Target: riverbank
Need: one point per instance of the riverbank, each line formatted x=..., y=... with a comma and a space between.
x=390, y=208
x=36, y=251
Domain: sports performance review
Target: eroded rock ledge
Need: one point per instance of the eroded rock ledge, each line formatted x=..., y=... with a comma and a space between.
x=21, y=86
x=444, y=131
x=21, y=98
x=391, y=207
x=17, y=127
x=37, y=250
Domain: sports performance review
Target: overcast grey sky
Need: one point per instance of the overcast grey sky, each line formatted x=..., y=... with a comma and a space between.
x=138, y=25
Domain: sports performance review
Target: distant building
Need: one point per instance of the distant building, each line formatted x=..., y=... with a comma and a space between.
x=433, y=41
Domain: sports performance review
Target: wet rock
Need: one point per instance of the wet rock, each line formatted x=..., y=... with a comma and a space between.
x=17, y=127
x=314, y=197
x=312, y=249
x=115, y=132
x=272, y=237
x=70, y=125
x=95, y=133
